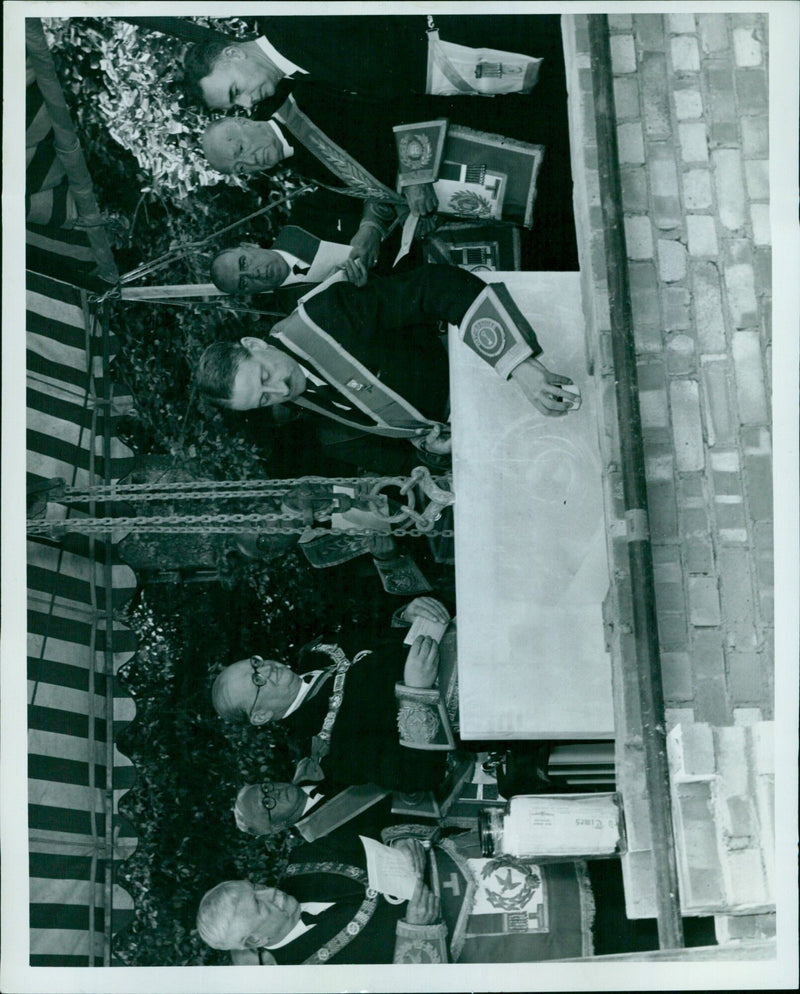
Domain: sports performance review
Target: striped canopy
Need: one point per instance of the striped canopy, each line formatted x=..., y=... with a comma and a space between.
x=76, y=706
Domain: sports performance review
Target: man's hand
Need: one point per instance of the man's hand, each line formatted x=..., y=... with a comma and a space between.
x=423, y=908
x=425, y=607
x=541, y=387
x=416, y=852
x=421, y=199
x=434, y=441
x=422, y=663
x=355, y=271
x=366, y=244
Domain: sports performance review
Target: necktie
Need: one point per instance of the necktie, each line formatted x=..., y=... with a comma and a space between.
x=298, y=270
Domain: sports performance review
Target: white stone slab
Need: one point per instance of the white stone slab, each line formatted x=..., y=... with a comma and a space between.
x=531, y=565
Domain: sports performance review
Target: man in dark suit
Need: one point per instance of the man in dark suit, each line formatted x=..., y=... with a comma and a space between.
x=377, y=346
x=340, y=708
x=375, y=56
x=323, y=913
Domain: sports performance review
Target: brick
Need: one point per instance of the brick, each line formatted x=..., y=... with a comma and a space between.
x=750, y=388
x=764, y=554
x=685, y=54
x=756, y=174
x=681, y=359
x=727, y=165
x=681, y=23
x=672, y=631
x=741, y=827
x=704, y=610
x=699, y=866
x=725, y=469
x=664, y=185
x=702, y=234
x=721, y=103
x=756, y=440
x=742, y=303
x=696, y=189
x=669, y=591
x=662, y=510
x=686, y=425
x=688, y=102
x=691, y=491
x=747, y=48
x=747, y=884
x=721, y=419
x=737, y=597
x=744, y=677
x=671, y=260
x=762, y=265
x=639, y=237
x=713, y=29
x=755, y=136
x=620, y=22
x=698, y=556
x=676, y=676
x=733, y=928
x=693, y=141
x=623, y=54
x=752, y=90
x=758, y=476
x=626, y=97
x=677, y=716
x=711, y=701
x=655, y=94
x=708, y=311
x=694, y=521
x=659, y=462
x=630, y=141
x=759, y=217
x=731, y=521
x=747, y=716
x=650, y=31
x=690, y=750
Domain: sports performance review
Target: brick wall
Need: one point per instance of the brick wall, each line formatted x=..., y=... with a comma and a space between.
x=691, y=109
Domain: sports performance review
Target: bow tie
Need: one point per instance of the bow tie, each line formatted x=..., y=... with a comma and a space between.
x=298, y=270
x=307, y=918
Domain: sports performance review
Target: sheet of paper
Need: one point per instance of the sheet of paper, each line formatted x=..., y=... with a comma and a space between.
x=422, y=626
x=389, y=870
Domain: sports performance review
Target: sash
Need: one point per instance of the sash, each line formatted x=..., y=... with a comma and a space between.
x=310, y=768
x=393, y=416
x=361, y=918
x=344, y=806
x=454, y=69
x=358, y=180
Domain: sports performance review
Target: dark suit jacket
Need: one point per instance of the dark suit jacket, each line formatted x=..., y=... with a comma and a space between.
x=364, y=744
x=380, y=56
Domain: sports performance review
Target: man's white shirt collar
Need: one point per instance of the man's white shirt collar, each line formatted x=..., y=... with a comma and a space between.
x=313, y=908
x=312, y=801
x=302, y=693
x=292, y=260
x=280, y=61
x=288, y=150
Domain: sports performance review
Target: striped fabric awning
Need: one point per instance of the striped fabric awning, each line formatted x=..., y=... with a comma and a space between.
x=76, y=706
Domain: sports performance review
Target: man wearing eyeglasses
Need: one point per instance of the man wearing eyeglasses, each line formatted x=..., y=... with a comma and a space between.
x=340, y=706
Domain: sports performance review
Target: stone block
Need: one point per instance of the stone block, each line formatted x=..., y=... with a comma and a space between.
x=758, y=476
x=763, y=272
x=681, y=23
x=730, y=749
x=686, y=425
x=731, y=521
x=623, y=54
x=639, y=237
x=676, y=310
x=725, y=471
x=765, y=807
x=711, y=701
x=721, y=102
x=704, y=609
x=741, y=824
x=693, y=140
x=699, y=867
x=672, y=631
x=759, y=218
x=685, y=54
x=750, y=389
x=655, y=94
x=742, y=303
x=671, y=260
x=708, y=311
x=650, y=31
x=713, y=29
x=702, y=234
x=620, y=22
x=677, y=716
x=688, y=102
x=747, y=49
x=630, y=143
x=697, y=189
x=664, y=186
x=762, y=737
x=755, y=136
x=752, y=90
x=681, y=359
x=721, y=418
x=756, y=173
x=690, y=751
x=727, y=163
x=637, y=821
x=698, y=556
x=692, y=492
x=747, y=716
x=626, y=97
x=735, y=928
x=694, y=520
x=745, y=679
x=676, y=676
x=639, y=883
x=746, y=878
x=737, y=597
x=659, y=463
x=662, y=511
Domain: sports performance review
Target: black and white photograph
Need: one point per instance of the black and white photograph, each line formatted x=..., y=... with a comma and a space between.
x=404, y=478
